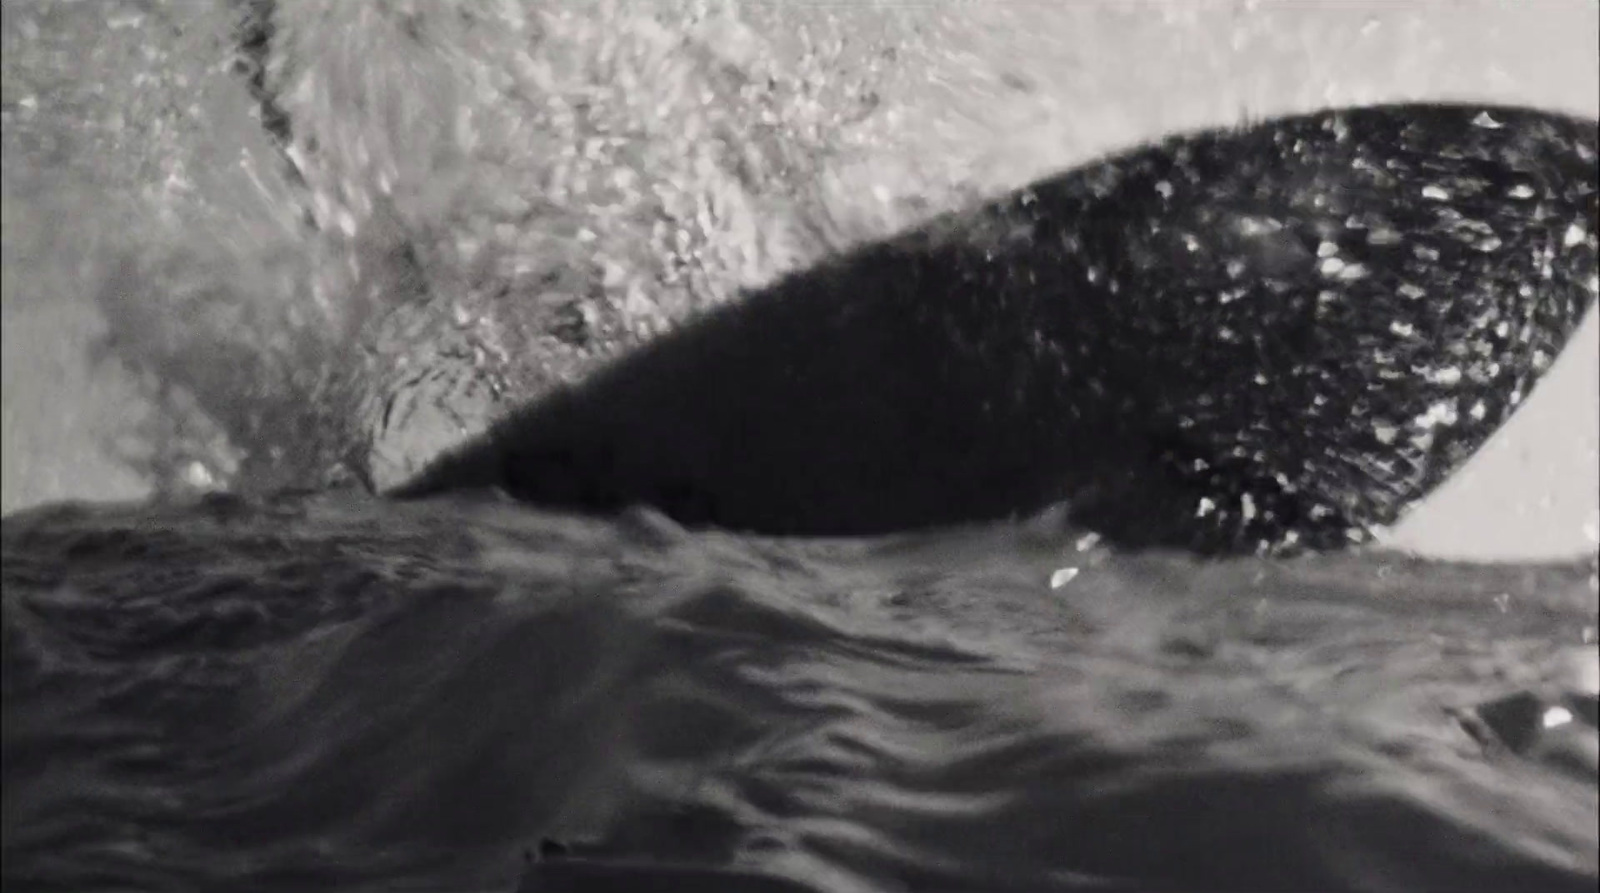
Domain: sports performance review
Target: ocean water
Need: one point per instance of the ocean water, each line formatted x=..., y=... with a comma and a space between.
x=339, y=693
x=330, y=691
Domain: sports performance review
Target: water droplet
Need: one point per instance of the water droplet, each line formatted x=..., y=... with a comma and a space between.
x=1062, y=577
x=1555, y=717
x=1441, y=413
x=197, y=475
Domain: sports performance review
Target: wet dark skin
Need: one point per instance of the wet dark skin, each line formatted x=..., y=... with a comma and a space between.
x=1265, y=338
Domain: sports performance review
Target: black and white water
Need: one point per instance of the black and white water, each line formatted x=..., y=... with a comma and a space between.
x=338, y=693
x=333, y=691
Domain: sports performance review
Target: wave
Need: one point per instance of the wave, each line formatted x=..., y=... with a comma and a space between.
x=337, y=692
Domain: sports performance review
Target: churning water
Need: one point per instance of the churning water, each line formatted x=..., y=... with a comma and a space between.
x=338, y=692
